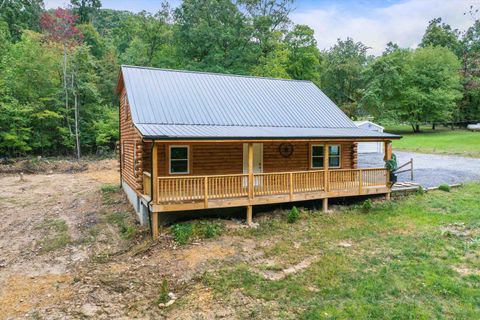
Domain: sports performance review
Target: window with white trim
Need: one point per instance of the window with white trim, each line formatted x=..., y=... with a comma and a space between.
x=318, y=155
x=179, y=159
x=334, y=156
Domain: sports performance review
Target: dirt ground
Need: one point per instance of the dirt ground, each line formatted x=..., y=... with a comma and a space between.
x=60, y=257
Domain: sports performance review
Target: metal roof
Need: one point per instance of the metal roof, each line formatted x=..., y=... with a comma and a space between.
x=173, y=104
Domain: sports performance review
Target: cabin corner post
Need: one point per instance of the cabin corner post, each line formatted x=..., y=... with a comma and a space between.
x=154, y=189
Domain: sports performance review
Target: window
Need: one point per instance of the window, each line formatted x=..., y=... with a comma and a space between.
x=318, y=154
x=179, y=159
x=334, y=156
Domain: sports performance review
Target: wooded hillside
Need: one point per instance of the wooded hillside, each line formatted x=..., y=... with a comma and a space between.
x=58, y=68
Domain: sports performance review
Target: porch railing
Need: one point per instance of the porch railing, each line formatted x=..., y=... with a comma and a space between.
x=197, y=188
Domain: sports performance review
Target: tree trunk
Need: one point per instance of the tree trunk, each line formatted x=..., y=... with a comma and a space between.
x=77, y=131
x=65, y=87
x=417, y=128
x=433, y=126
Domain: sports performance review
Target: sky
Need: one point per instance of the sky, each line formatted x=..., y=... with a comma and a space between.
x=374, y=22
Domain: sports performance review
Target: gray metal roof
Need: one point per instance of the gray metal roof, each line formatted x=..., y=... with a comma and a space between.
x=179, y=104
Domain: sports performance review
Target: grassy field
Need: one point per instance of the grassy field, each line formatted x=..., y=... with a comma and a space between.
x=442, y=140
x=415, y=258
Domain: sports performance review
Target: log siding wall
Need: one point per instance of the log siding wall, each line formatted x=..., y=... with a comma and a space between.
x=227, y=158
x=131, y=147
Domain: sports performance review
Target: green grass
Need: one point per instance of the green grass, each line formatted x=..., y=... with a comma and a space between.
x=55, y=237
x=124, y=222
x=442, y=140
x=405, y=261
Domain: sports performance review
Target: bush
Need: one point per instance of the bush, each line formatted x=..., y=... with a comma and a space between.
x=367, y=205
x=182, y=232
x=293, y=215
x=163, y=296
x=420, y=191
x=444, y=187
x=211, y=229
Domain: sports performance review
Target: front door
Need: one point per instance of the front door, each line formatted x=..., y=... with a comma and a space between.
x=257, y=160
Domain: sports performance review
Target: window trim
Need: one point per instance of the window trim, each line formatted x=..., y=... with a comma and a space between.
x=329, y=155
x=339, y=156
x=311, y=155
x=170, y=159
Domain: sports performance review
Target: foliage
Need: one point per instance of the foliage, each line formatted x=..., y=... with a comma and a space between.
x=413, y=86
x=444, y=187
x=391, y=165
x=182, y=232
x=367, y=205
x=163, y=296
x=341, y=73
x=123, y=220
x=58, y=68
x=293, y=215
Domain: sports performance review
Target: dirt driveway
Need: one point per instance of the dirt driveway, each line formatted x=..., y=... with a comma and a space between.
x=67, y=250
x=430, y=170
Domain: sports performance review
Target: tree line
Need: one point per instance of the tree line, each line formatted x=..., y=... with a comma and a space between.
x=58, y=68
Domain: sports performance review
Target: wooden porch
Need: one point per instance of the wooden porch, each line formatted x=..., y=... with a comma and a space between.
x=218, y=191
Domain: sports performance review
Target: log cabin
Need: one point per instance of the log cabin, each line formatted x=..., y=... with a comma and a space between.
x=197, y=140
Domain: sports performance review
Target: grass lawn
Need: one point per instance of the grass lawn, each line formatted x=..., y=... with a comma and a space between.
x=413, y=258
x=442, y=140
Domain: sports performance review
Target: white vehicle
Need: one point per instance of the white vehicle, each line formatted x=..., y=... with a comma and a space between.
x=474, y=127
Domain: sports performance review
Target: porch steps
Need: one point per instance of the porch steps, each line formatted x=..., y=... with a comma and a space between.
x=404, y=186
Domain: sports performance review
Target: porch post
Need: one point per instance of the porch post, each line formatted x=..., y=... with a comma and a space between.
x=326, y=156
x=250, y=170
x=154, y=189
x=250, y=183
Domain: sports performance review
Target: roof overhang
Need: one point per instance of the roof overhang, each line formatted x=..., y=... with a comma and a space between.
x=244, y=133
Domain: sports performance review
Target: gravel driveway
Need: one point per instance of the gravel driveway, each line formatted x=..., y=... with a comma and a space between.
x=429, y=170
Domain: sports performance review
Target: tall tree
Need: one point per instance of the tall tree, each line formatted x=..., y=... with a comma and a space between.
x=441, y=34
x=21, y=15
x=414, y=86
x=213, y=35
x=85, y=9
x=341, y=73
x=60, y=28
x=304, y=56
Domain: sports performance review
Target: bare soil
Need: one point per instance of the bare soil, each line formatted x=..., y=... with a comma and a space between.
x=61, y=257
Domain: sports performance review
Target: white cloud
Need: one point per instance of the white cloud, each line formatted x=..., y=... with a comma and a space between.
x=403, y=23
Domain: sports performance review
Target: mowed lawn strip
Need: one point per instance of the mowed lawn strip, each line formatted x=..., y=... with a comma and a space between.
x=414, y=258
x=442, y=141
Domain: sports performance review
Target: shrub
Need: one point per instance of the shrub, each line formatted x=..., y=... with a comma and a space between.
x=367, y=205
x=182, y=232
x=420, y=191
x=293, y=215
x=163, y=296
x=211, y=229
x=444, y=187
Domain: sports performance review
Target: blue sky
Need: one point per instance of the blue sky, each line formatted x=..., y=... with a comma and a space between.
x=374, y=22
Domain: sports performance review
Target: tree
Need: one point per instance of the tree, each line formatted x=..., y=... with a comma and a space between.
x=413, y=86
x=212, y=35
x=304, y=56
x=270, y=21
x=85, y=9
x=20, y=15
x=441, y=34
x=341, y=73
x=60, y=28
